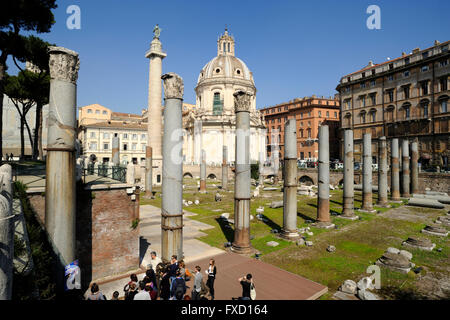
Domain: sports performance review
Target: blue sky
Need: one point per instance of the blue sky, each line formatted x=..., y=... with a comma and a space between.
x=294, y=48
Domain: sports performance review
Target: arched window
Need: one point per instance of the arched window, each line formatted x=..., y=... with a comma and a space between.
x=301, y=133
x=224, y=47
x=390, y=113
x=363, y=116
x=348, y=119
x=229, y=47
x=373, y=115
x=406, y=110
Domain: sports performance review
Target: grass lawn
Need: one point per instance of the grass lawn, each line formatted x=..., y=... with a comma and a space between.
x=358, y=243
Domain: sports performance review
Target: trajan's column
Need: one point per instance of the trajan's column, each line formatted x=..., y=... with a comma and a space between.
x=154, y=114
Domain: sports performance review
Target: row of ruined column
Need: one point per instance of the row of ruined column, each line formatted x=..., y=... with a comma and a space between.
x=409, y=179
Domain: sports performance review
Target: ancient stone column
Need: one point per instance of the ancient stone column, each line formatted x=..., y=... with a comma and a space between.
x=148, y=172
x=323, y=200
x=414, y=167
x=131, y=177
x=382, y=173
x=6, y=233
x=60, y=192
x=203, y=172
x=367, y=174
x=290, y=180
x=116, y=150
x=405, y=169
x=276, y=158
x=224, y=168
x=395, y=174
x=241, y=243
x=172, y=179
x=261, y=169
x=154, y=131
x=349, y=191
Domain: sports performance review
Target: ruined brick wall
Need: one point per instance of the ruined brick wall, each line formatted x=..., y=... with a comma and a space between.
x=37, y=202
x=105, y=238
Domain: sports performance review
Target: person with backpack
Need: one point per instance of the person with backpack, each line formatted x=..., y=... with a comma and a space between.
x=178, y=287
x=211, y=272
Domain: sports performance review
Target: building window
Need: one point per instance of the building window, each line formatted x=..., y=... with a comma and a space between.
x=93, y=146
x=406, y=74
x=347, y=89
x=335, y=115
x=143, y=146
x=444, y=104
x=89, y=111
x=133, y=146
x=92, y=134
x=363, y=85
x=373, y=114
x=424, y=105
x=125, y=135
x=425, y=55
x=390, y=78
x=143, y=136
x=125, y=147
x=104, y=112
x=362, y=101
x=407, y=60
x=425, y=68
x=372, y=83
x=217, y=104
x=348, y=104
x=424, y=87
x=407, y=112
x=406, y=92
x=97, y=111
x=105, y=146
x=309, y=114
x=105, y=135
x=363, y=117
x=134, y=136
x=320, y=113
x=373, y=99
x=309, y=133
x=443, y=84
x=443, y=63
x=301, y=115
x=328, y=114
x=301, y=133
x=391, y=95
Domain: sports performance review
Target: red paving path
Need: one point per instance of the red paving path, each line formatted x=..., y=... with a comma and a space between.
x=271, y=283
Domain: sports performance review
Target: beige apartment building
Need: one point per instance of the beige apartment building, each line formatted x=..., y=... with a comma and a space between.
x=405, y=97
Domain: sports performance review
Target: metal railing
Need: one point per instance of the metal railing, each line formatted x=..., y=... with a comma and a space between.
x=118, y=173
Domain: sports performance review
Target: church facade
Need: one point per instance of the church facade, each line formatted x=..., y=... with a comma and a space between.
x=212, y=123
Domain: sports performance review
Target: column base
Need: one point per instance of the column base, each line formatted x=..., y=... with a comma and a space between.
x=323, y=225
x=352, y=217
x=367, y=209
x=383, y=204
x=242, y=250
x=286, y=234
x=406, y=195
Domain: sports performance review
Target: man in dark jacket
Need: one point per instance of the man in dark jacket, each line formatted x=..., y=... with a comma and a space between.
x=178, y=287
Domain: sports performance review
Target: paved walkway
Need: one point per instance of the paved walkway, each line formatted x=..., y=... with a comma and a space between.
x=150, y=231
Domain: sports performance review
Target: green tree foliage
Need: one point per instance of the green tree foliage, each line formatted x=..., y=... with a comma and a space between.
x=17, y=16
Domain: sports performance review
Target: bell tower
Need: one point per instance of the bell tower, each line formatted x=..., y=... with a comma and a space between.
x=225, y=44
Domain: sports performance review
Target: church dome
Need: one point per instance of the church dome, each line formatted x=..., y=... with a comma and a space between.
x=225, y=64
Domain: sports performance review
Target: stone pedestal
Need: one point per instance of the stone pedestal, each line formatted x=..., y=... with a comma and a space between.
x=172, y=180
x=241, y=243
x=60, y=192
